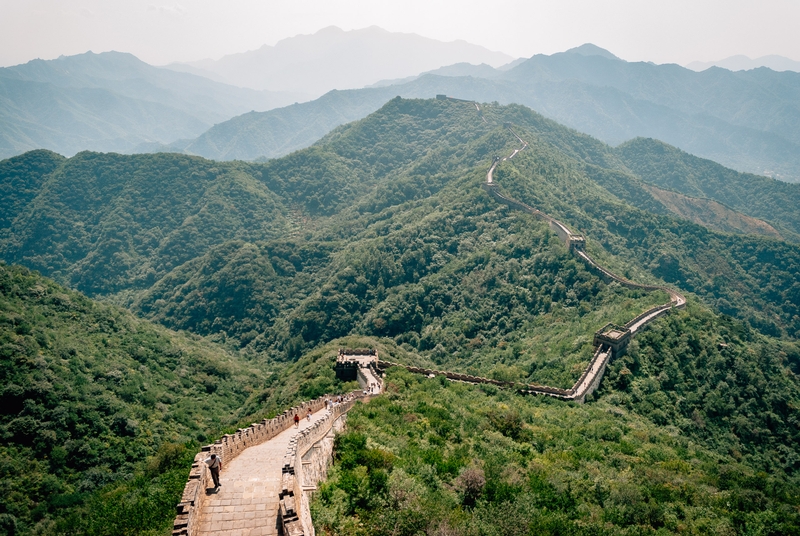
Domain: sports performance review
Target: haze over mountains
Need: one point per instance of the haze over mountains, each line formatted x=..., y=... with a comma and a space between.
x=336, y=59
x=112, y=102
x=743, y=63
x=751, y=124
x=274, y=206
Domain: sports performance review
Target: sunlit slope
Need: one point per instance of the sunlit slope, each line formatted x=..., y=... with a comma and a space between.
x=105, y=222
x=423, y=255
x=758, y=196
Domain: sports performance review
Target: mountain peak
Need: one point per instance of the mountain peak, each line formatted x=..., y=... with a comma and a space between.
x=588, y=49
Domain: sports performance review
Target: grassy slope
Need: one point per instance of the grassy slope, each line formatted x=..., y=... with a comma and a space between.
x=757, y=196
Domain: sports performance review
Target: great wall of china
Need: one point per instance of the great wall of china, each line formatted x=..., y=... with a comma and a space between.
x=270, y=470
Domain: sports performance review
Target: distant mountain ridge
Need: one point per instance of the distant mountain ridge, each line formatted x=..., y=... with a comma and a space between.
x=112, y=102
x=752, y=124
x=336, y=59
x=744, y=63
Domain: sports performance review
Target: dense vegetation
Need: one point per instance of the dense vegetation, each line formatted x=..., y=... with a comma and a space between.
x=750, y=277
x=431, y=457
x=105, y=223
x=381, y=236
x=93, y=397
x=668, y=167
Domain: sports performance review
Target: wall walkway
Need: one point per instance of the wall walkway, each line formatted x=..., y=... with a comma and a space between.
x=247, y=503
x=268, y=471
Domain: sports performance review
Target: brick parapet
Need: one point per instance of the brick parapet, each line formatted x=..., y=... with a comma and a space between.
x=228, y=447
x=294, y=508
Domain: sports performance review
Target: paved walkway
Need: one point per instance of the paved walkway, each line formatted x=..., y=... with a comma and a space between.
x=247, y=502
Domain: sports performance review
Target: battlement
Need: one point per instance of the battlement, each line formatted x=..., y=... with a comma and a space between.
x=614, y=336
x=576, y=241
x=357, y=364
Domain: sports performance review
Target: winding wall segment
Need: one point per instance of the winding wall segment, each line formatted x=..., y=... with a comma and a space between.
x=263, y=465
x=590, y=379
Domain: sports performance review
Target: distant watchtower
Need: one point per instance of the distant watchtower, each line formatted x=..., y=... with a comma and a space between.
x=576, y=241
x=441, y=97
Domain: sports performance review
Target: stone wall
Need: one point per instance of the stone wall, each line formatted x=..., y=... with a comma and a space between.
x=468, y=378
x=228, y=447
x=590, y=379
x=294, y=510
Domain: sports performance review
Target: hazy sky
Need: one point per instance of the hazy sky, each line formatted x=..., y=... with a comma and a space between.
x=160, y=32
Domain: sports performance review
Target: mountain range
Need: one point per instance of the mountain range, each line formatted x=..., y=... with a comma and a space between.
x=749, y=121
x=381, y=235
x=746, y=120
x=744, y=63
x=111, y=225
x=113, y=102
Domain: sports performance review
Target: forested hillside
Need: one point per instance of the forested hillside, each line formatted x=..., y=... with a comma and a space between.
x=446, y=458
x=104, y=223
x=401, y=186
x=98, y=408
x=382, y=230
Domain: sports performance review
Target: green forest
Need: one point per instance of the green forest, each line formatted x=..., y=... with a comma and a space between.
x=152, y=302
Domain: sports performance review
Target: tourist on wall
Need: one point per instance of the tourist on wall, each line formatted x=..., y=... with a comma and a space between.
x=214, y=464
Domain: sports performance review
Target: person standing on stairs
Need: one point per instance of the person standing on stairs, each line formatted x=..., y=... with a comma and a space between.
x=296, y=420
x=214, y=464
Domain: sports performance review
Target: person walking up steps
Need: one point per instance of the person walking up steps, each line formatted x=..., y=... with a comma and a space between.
x=214, y=464
x=296, y=420
x=308, y=416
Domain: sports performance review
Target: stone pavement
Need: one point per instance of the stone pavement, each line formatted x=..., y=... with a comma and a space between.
x=247, y=502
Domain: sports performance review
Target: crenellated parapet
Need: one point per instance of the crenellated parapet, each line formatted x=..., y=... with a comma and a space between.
x=360, y=365
x=228, y=447
x=296, y=474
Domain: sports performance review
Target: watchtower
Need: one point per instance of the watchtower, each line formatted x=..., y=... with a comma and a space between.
x=576, y=241
x=617, y=337
x=441, y=97
x=349, y=360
